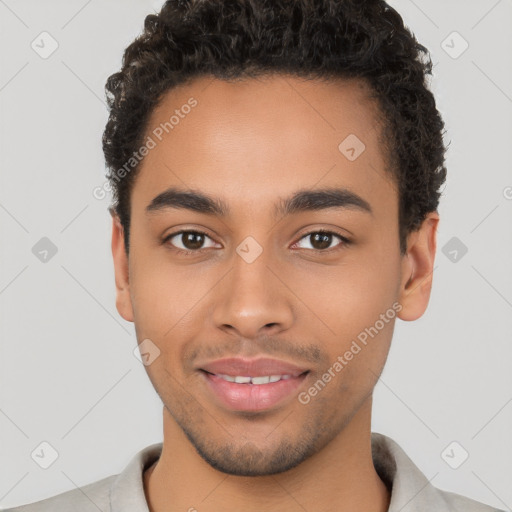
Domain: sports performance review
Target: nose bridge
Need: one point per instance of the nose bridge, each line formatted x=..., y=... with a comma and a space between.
x=250, y=274
x=252, y=296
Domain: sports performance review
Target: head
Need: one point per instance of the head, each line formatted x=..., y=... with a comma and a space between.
x=301, y=143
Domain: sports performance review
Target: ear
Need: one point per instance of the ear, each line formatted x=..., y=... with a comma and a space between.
x=417, y=269
x=123, y=300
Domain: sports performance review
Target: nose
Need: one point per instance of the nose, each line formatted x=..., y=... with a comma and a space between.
x=253, y=299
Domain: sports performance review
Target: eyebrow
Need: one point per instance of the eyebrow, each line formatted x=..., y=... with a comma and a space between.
x=300, y=201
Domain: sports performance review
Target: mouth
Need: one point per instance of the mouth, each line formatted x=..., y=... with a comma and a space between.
x=252, y=393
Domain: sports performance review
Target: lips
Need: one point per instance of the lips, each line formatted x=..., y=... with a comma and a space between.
x=252, y=385
x=262, y=367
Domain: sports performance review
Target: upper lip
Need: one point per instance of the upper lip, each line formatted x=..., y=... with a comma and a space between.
x=252, y=367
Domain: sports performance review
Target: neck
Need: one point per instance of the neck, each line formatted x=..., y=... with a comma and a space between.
x=340, y=477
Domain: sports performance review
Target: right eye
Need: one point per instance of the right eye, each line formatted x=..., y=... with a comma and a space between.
x=190, y=240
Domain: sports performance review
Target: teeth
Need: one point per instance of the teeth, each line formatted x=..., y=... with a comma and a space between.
x=254, y=380
x=242, y=380
x=260, y=380
x=228, y=378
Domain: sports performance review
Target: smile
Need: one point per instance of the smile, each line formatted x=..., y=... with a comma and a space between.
x=252, y=394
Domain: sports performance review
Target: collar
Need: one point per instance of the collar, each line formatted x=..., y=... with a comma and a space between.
x=410, y=489
x=127, y=489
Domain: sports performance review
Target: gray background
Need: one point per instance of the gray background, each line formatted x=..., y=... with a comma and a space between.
x=67, y=369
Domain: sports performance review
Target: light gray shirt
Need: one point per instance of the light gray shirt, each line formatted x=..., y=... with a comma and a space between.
x=410, y=489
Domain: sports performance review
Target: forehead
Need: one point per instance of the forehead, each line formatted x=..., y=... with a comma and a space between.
x=252, y=141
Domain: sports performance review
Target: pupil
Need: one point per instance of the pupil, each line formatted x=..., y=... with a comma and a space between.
x=191, y=243
x=324, y=240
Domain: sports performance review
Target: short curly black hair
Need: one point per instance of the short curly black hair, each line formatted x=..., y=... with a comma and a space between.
x=319, y=39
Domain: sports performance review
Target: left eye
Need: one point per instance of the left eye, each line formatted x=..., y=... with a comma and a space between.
x=321, y=240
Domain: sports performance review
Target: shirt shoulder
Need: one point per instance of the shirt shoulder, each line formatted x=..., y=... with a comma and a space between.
x=121, y=492
x=409, y=488
x=459, y=503
x=89, y=498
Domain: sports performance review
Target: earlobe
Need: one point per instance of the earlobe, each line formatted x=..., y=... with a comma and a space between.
x=121, y=270
x=417, y=269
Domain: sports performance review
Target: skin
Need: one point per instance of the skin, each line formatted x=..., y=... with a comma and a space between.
x=251, y=143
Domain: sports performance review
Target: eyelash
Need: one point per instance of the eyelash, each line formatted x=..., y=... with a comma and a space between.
x=345, y=241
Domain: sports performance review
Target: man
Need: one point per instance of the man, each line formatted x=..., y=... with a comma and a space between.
x=276, y=168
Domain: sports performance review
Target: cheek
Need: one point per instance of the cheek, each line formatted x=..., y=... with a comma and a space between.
x=353, y=308
x=348, y=297
x=168, y=304
x=161, y=293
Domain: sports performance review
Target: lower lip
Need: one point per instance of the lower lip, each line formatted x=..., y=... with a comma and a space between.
x=252, y=397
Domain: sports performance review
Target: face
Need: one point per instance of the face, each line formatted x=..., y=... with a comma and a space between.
x=316, y=282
